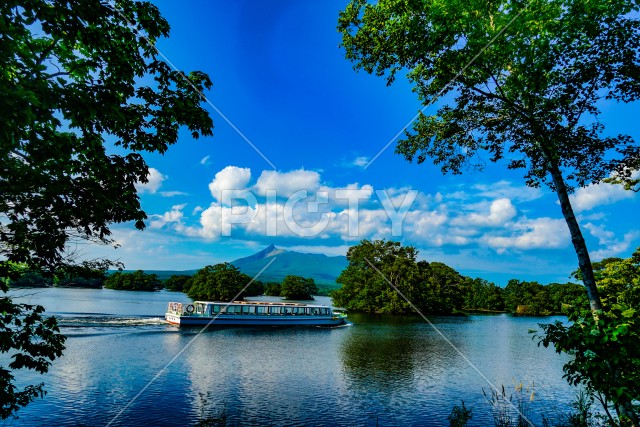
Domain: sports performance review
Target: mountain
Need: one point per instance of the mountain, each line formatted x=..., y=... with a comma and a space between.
x=323, y=269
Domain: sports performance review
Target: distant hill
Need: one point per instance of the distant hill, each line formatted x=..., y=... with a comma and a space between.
x=323, y=269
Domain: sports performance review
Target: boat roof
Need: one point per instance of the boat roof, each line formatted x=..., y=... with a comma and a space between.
x=271, y=303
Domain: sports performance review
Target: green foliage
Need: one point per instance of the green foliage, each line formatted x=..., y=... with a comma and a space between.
x=137, y=281
x=521, y=81
x=533, y=75
x=481, y=294
x=220, y=282
x=534, y=299
x=89, y=278
x=31, y=279
x=177, y=283
x=256, y=288
x=529, y=298
x=364, y=289
x=436, y=288
x=298, y=288
x=34, y=341
x=74, y=76
x=272, y=289
x=606, y=348
x=431, y=287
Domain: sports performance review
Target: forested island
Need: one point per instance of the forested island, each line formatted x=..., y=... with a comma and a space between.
x=377, y=273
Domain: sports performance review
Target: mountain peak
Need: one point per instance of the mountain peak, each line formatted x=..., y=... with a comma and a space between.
x=323, y=269
x=267, y=252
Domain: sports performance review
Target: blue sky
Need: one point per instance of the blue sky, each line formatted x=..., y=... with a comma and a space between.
x=280, y=77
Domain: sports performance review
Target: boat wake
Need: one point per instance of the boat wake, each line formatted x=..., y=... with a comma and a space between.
x=108, y=321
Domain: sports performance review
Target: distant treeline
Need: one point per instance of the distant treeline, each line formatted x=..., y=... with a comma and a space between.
x=385, y=277
x=367, y=285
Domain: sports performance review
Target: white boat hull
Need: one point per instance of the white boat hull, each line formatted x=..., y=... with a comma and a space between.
x=249, y=320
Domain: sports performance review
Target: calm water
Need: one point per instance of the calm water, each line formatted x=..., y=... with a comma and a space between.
x=386, y=370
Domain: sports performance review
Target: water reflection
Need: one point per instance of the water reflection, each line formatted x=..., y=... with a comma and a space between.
x=384, y=370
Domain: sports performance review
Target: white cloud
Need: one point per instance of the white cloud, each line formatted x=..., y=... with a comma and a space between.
x=287, y=183
x=205, y=160
x=175, y=215
x=155, y=181
x=506, y=189
x=361, y=161
x=228, y=179
x=606, y=238
x=532, y=234
x=616, y=247
x=500, y=212
x=351, y=192
x=591, y=196
x=172, y=193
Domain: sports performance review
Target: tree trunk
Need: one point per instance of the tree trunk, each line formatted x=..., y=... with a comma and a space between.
x=576, y=237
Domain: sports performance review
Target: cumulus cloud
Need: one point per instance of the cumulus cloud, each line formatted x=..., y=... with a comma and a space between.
x=175, y=215
x=287, y=183
x=205, y=160
x=532, y=234
x=500, y=212
x=324, y=212
x=230, y=181
x=506, y=189
x=606, y=238
x=155, y=181
x=594, y=195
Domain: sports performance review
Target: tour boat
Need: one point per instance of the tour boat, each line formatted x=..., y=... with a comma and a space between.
x=253, y=313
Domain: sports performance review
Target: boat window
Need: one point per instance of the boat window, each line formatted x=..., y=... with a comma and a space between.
x=325, y=311
x=316, y=311
x=274, y=310
x=215, y=309
x=246, y=309
x=262, y=310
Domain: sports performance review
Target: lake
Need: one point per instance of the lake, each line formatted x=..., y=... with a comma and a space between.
x=381, y=370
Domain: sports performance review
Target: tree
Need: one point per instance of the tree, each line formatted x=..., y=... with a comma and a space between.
x=272, y=289
x=136, y=281
x=34, y=341
x=84, y=93
x=440, y=289
x=220, y=282
x=365, y=289
x=75, y=76
x=433, y=288
x=526, y=78
x=88, y=278
x=177, y=282
x=483, y=295
x=298, y=288
x=606, y=350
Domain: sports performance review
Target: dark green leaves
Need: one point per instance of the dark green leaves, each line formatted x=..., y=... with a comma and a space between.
x=76, y=75
x=532, y=77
